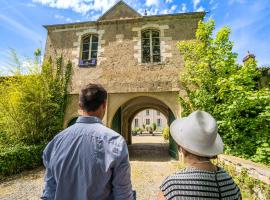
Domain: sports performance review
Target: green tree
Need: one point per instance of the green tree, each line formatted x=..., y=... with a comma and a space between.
x=154, y=126
x=213, y=81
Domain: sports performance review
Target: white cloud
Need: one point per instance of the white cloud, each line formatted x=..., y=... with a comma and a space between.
x=200, y=9
x=183, y=8
x=69, y=20
x=58, y=16
x=170, y=10
x=196, y=3
x=236, y=1
x=168, y=1
x=152, y=2
x=79, y=6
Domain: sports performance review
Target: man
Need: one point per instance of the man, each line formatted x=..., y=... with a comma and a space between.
x=88, y=161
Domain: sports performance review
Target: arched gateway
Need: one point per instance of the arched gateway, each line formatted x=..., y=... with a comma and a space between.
x=133, y=56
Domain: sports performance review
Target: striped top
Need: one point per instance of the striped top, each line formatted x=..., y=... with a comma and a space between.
x=192, y=183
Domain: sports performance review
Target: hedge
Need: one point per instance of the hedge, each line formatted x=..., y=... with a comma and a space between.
x=18, y=158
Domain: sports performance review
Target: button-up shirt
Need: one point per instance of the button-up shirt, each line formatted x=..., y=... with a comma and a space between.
x=87, y=161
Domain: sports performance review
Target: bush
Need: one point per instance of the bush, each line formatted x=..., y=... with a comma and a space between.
x=32, y=105
x=136, y=131
x=18, y=158
x=166, y=133
x=154, y=126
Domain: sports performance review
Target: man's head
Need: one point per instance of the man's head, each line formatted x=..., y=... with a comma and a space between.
x=93, y=100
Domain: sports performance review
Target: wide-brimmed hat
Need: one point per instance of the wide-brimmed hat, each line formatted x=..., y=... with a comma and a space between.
x=197, y=133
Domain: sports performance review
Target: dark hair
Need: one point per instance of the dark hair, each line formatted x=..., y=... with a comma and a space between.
x=92, y=96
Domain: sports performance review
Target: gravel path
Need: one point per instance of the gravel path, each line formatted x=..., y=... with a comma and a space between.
x=150, y=164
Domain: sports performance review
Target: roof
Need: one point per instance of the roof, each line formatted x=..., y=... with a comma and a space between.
x=123, y=12
x=119, y=6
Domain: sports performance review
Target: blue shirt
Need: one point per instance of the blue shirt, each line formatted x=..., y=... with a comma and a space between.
x=87, y=161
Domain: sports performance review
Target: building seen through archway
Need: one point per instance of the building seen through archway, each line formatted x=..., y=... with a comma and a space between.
x=149, y=120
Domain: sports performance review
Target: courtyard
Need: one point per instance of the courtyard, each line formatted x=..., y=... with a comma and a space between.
x=148, y=170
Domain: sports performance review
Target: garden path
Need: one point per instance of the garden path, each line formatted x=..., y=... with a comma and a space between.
x=150, y=164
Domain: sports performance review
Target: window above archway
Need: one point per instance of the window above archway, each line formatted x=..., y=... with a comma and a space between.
x=151, y=46
x=89, y=51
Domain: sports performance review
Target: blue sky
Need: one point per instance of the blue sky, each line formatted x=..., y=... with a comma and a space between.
x=21, y=21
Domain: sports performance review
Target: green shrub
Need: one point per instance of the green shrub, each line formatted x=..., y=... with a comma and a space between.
x=136, y=131
x=154, y=126
x=166, y=133
x=15, y=159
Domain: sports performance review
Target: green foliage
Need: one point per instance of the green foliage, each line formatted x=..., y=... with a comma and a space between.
x=249, y=186
x=18, y=158
x=154, y=126
x=166, y=133
x=32, y=105
x=136, y=131
x=213, y=81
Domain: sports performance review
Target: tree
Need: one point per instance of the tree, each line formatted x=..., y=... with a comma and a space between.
x=154, y=126
x=213, y=81
x=32, y=105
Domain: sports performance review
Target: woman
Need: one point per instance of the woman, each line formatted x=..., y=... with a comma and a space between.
x=198, y=142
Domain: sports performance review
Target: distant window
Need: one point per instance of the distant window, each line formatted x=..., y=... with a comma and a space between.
x=147, y=112
x=136, y=123
x=158, y=113
x=89, y=51
x=147, y=121
x=159, y=122
x=150, y=46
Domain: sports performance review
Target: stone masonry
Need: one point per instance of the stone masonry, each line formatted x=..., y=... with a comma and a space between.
x=119, y=63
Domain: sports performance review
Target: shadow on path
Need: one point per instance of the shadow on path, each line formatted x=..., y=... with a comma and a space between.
x=151, y=152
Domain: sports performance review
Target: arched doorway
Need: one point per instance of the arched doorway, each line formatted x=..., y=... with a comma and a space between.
x=123, y=117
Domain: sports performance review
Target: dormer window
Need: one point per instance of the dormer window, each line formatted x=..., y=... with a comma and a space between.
x=150, y=46
x=89, y=51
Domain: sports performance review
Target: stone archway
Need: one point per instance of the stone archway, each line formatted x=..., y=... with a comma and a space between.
x=124, y=115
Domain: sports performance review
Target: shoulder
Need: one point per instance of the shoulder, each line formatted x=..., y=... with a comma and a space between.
x=111, y=136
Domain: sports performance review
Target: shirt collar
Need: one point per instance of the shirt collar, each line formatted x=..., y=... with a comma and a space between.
x=88, y=120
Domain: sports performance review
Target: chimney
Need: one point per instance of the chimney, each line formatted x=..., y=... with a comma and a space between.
x=248, y=56
x=145, y=12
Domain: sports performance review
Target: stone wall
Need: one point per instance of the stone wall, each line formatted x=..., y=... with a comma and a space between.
x=255, y=170
x=119, y=66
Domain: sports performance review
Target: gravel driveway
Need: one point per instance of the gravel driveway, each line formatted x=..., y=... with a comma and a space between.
x=150, y=164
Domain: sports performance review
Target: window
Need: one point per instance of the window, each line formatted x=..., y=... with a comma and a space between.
x=147, y=121
x=147, y=112
x=136, y=123
x=159, y=122
x=150, y=46
x=89, y=51
x=158, y=113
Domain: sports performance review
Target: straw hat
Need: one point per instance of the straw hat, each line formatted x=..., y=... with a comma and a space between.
x=198, y=134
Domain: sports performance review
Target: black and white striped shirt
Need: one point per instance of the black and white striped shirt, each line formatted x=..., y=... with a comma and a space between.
x=192, y=183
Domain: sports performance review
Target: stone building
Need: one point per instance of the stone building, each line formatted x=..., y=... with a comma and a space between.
x=147, y=118
x=133, y=56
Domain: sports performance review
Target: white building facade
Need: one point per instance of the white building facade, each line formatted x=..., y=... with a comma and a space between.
x=148, y=117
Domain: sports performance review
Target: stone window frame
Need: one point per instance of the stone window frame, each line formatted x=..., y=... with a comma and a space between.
x=89, y=50
x=76, y=52
x=147, y=121
x=165, y=48
x=151, y=45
